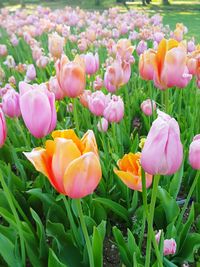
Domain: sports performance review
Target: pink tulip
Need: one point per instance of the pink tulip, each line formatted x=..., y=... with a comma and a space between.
x=71, y=76
x=148, y=106
x=3, y=128
x=42, y=62
x=84, y=98
x=192, y=65
x=114, y=112
x=3, y=50
x=146, y=64
x=97, y=102
x=10, y=104
x=191, y=46
x=169, y=247
x=37, y=106
x=102, y=125
x=14, y=41
x=31, y=73
x=194, y=152
x=158, y=36
x=163, y=151
x=54, y=87
x=141, y=47
x=91, y=63
x=98, y=83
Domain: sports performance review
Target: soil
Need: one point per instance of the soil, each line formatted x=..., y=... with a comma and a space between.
x=111, y=255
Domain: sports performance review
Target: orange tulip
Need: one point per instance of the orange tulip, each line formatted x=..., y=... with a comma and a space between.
x=130, y=171
x=71, y=164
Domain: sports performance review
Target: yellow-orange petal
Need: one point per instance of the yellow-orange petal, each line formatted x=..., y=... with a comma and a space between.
x=65, y=152
x=82, y=176
x=89, y=143
x=171, y=44
x=160, y=56
x=68, y=134
x=130, y=180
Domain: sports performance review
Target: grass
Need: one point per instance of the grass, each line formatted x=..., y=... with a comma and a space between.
x=185, y=11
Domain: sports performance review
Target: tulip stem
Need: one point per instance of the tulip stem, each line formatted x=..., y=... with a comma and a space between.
x=17, y=220
x=85, y=232
x=71, y=220
x=22, y=132
x=150, y=224
x=74, y=101
x=188, y=199
x=167, y=101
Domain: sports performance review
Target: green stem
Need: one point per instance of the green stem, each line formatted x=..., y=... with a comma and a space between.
x=187, y=199
x=18, y=222
x=150, y=220
x=75, y=113
x=85, y=232
x=21, y=132
x=71, y=220
x=166, y=100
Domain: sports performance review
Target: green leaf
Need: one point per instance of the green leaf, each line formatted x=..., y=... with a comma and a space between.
x=169, y=204
x=176, y=182
x=115, y=207
x=7, y=249
x=97, y=244
x=53, y=260
x=168, y=263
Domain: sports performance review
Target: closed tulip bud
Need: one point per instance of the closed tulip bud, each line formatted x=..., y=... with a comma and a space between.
x=42, y=62
x=192, y=65
x=163, y=151
x=146, y=64
x=3, y=50
x=37, y=106
x=71, y=164
x=84, y=98
x=12, y=80
x=141, y=47
x=194, y=153
x=191, y=46
x=10, y=104
x=56, y=45
x=114, y=112
x=54, y=87
x=14, y=41
x=3, y=128
x=98, y=83
x=91, y=63
x=130, y=171
x=30, y=73
x=97, y=102
x=71, y=76
x=148, y=106
x=102, y=125
x=169, y=247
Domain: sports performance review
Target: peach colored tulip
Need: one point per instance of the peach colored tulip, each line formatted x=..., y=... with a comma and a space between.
x=71, y=75
x=84, y=97
x=146, y=64
x=170, y=65
x=71, y=164
x=3, y=128
x=124, y=49
x=56, y=45
x=130, y=171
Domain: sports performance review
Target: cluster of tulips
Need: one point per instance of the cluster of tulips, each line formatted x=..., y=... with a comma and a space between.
x=88, y=62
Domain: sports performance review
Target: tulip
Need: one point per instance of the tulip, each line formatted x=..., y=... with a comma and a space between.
x=84, y=97
x=97, y=102
x=102, y=125
x=148, y=106
x=163, y=151
x=3, y=128
x=114, y=112
x=71, y=76
x=169, y=247
x=98, y=83
x=10, y=104
x=56, y=45
x=124, y=50
x=71, y=165
x=192, y=65
x=194, y=153
x=141, y=47
x=31, y=73
x=170, y=65
x=91, y=63
x=191, y=46
x=54, y=87
x=130, y=171
x=3, y=50
x=146, y=64
x=37, y=106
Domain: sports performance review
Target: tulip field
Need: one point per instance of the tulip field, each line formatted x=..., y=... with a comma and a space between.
x=99, y=139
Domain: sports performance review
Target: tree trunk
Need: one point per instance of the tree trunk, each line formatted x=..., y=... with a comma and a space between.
x=165, y=2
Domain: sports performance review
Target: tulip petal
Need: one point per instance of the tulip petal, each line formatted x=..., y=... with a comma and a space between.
x=65, y=152
x=89, y=142
x=82, y=176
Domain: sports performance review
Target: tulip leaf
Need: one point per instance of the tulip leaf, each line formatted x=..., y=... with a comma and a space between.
x=169, y=204
x=53, y=260
x=97, y=244
x=115, y=207
x=176, y=182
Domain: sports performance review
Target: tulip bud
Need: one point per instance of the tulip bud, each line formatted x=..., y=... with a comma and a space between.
x=31, y=73
x=114, y=112
x=10, y=104
x=97, y=102
x=91, y=63
x=163, y=151
x=148, y=106
x=102, y=125
x=194, y=153
x=3, y=128
x=56, y=45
